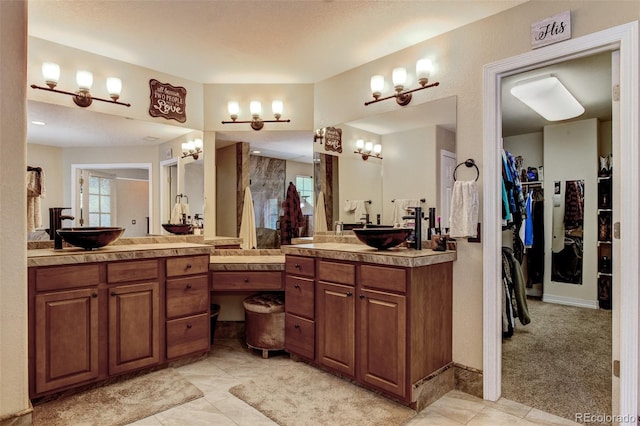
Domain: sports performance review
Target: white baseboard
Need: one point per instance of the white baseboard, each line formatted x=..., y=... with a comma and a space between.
x=580, y=303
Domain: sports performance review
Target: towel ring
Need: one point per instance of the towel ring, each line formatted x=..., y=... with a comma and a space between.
x=469, y=163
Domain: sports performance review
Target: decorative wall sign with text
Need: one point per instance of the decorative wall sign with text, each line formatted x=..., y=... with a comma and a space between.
x=333, y=139
x=551, y=30
x=167, y=101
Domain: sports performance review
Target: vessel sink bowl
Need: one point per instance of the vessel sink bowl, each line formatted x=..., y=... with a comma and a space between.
x=177, y=228
x=89, y=237
x=350, y=226
x=382, y=238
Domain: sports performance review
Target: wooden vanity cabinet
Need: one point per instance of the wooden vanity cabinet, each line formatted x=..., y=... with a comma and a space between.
x=187, y=309
x=335, y=320
x=388, y=327
x=299, y=296
x=134, y=315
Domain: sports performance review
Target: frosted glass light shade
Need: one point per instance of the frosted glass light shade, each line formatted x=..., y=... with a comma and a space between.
x=377, y=149
x=255, y=108
x=51, y=73
x=368, y=146
x=359, y=144
x=114, y=86
x=423, y=69
x=377, y=85
x=197, y=144
x=185, y=147
x=399, y=77
x=233, y=109
x=84, y=79
x=548, y=97
x=277, y=108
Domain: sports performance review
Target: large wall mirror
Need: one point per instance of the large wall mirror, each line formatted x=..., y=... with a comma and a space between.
x=568, y=231
x=123, y=151
x=418, y=158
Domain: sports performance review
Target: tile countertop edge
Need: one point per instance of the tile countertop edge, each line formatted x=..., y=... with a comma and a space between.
x=361, y=253
x=247, y=263
x=72, y=256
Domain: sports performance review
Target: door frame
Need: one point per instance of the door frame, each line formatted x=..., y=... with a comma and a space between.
x=625, y=39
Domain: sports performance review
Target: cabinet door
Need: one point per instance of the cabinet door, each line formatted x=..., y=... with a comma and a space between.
x=336, y=327
x=134, y=326
x=382, y=360
x=66, y=338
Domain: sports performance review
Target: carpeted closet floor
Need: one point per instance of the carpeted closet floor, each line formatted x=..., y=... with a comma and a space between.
x=560, y=362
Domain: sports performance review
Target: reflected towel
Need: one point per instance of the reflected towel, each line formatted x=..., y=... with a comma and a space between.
x=35, y=191
x=358, y=207
x=463, y=219
x=176, y=214
x=248, y=223
x=320, y=215
x=401, y=207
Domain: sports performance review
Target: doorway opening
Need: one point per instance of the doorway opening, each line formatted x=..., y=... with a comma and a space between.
x=625, y=39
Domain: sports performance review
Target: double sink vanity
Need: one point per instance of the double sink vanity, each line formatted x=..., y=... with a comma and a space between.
x=382, y=319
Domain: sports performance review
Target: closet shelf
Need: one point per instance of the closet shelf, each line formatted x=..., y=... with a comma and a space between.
x=605, y=274
x=602, y=178
x=604, y=242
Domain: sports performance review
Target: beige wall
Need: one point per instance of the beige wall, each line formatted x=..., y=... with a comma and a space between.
x=459, y=57
x=226, y=177
x=14, y=398
x=50, y=159
x=132, y=205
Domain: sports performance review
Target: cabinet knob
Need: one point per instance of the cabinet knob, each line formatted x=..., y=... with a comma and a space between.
x=94, y=295
x=188, y=266
x=297, y=326
x=189, y=325
x=297, y=265
x=188, y=286
x=349, y=294
x=361, y=296
x=296, y=286
x=113, y=294
x=246, y=280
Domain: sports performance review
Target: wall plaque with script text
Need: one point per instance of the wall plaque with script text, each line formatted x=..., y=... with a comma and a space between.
x=551, y=30
x=333, y=139
x=167, y=101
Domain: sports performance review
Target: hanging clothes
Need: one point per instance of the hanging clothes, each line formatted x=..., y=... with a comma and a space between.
x=573, y=204
x=535, y=254
x=292, y=218
x=515, y=299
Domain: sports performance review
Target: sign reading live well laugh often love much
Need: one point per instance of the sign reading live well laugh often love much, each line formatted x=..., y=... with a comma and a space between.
x=167, y=101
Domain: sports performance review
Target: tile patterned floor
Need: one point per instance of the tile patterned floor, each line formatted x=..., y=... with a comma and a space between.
x=229, y=364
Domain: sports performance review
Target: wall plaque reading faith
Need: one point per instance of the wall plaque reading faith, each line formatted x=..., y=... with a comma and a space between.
x=333, y=139
x=167, y=101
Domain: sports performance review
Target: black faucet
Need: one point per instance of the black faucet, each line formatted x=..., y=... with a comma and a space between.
x=366, y=219
x=417, y=227
x=55, y=222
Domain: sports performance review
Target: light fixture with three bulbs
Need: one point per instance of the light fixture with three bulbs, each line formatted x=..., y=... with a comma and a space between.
x=192, y=149
x=424, y=67
x=368, y=149
x=84, y=79
x=255, y=107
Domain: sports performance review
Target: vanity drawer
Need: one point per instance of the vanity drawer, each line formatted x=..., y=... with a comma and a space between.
x=187, y=265
x=336, y=272
x=383, y=278
x=246, y=280
x=299, y=265
x=62, y=277
x=299, y=296
x=300, y=336
x=187, y=335
x=187, y=296
x=137, y=270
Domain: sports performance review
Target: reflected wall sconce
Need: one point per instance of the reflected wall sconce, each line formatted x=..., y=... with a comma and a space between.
x=82, y=98
x=547, y=96
x=424, y=67
x=192, y=149
x=255, y=108
x=368, y=149
x=319, y=135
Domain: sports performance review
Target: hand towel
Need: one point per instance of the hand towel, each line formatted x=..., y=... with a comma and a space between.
x=358, y=207
x=35, y=191
x=463, y=219
x=320, y=215
x=248, y=223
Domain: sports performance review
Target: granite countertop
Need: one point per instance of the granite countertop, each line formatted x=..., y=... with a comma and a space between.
x=75, y=255
x=399, y=256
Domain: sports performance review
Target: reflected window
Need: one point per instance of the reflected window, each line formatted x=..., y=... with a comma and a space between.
x=100, y=201
x=304, y=185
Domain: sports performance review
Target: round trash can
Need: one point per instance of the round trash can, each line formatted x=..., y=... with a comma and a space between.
x=215, y=310
x=264, y=322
